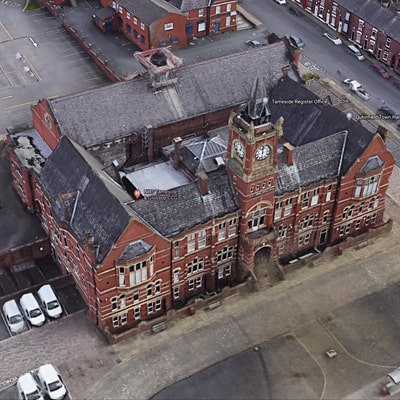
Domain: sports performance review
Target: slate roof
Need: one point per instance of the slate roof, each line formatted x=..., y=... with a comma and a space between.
x=135, y=249
x=170, y=217
x=145, y=10
x=118, y=110
x=187, y=5
x=74, y=181
x=305, y=123
x=379, y=17
x=105, y=13
x=312, y=162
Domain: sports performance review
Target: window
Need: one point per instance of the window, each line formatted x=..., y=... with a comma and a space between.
x=149, y=289
x=138, y=273
x=222, y=231
x=256, y=220
x=176, y=249
x=373, y=218
x=201, y=12
x=115, y=322
x=196, y=265
x=220, y=272
x=176, y=292
x=257, y=187
x=373, y=33
x=282, y=231
x=385, y=55
x=128, y=15
x=191, y=242
x=157, y=287
x=325, y=216
x=150, y=308
x=168, y=27
x=128, y=28
x=305, y=239
x=371, y=185
x=124, y=318
x=314, y=198
x=122, y=301
x=288, y=207
x=121, y=276
x=224, y=271
x=135, y=34
x=278, y=210
x=142, y=39
x=232, y=227
x=228, y=270
x=176, y=275
x=358, y=188
x=388, y=41
x=264, y=184
x=135, y=20
x=201, y=27
x=151, y=265
x=329, y=193
x=270, y=180
x=114, y=303
x=136, y=313
x=217, y=9
x=199, y=281
x=136, y=294
x=142, y=26
x=360, y=24
x=306, y=199
x=361, y=207
x=201, y=238
x=225, y=254
x=367, y=219
x=348, y=212
x=191, y=284
x=158, y=305
x=252, y=189
x=306, y=222
x=228, y=7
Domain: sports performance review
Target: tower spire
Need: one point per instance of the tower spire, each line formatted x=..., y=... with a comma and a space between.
x=257, y=109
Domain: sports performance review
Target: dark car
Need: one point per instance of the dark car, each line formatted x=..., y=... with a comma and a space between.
x=381, y=71
x=295, y=11
x=385, y=110
x=296, y=41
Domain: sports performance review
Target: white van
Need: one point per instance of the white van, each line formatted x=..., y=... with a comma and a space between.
x=13, y=316
x=51, y=382
x=356, y=52
x=28, y=389
x=30, y=308
x=48, y=301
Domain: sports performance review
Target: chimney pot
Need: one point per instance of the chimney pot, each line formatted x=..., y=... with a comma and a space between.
x=203, y=182
x=383, y=132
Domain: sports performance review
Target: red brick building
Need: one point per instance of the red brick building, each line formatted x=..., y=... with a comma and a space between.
x=289, y=175
x=370, y=26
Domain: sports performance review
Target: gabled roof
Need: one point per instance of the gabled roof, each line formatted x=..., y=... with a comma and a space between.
x=187, y=5
x=135, y=249
x=312, y=162
x=145, y=10
x=313, y=120
x=107, y=113
x=379, y=17
x=371, y=164
x=189, y=208
x=95, y=207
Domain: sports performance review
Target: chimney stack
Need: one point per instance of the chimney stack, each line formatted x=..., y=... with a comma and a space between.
x=383, y=132
x=288, y=152
x=296, y=57
x=285, y=71
x=203, y=182
x=177, y=151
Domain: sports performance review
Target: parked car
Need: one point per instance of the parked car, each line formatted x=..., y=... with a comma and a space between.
x=13, y=316
x=254, y=43
x=280, y=1
x=387, y=111
x=333, y=38
x=51, y=382
x=31, y=309
x=381, y=71
x=295, y=11
x=353, y=84
x=49, y=302
x=296, y=41
x=28, y=388
x=355, y=52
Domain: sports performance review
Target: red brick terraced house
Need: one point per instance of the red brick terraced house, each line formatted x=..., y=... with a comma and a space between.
x=207, y=17
x=287, y=176
x=147, y=23
x=367, y=24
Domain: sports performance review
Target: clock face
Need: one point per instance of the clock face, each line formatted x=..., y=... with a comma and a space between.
x=239, y=148
x=262, y=153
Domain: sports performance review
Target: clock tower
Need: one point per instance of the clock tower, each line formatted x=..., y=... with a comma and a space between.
x=252, y=162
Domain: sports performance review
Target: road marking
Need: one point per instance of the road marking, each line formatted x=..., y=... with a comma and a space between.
x=6, y=31
x=32, y=68
x=5, y=97
x=19, y=105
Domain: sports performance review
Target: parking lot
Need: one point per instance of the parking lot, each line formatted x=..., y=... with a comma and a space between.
x=56, y=66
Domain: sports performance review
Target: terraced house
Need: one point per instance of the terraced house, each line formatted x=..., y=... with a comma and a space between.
x=153, y=220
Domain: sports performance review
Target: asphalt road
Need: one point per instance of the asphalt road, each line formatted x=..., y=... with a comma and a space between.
x=328, y=57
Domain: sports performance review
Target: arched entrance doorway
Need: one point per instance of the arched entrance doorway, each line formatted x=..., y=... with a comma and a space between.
x=265, y=267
